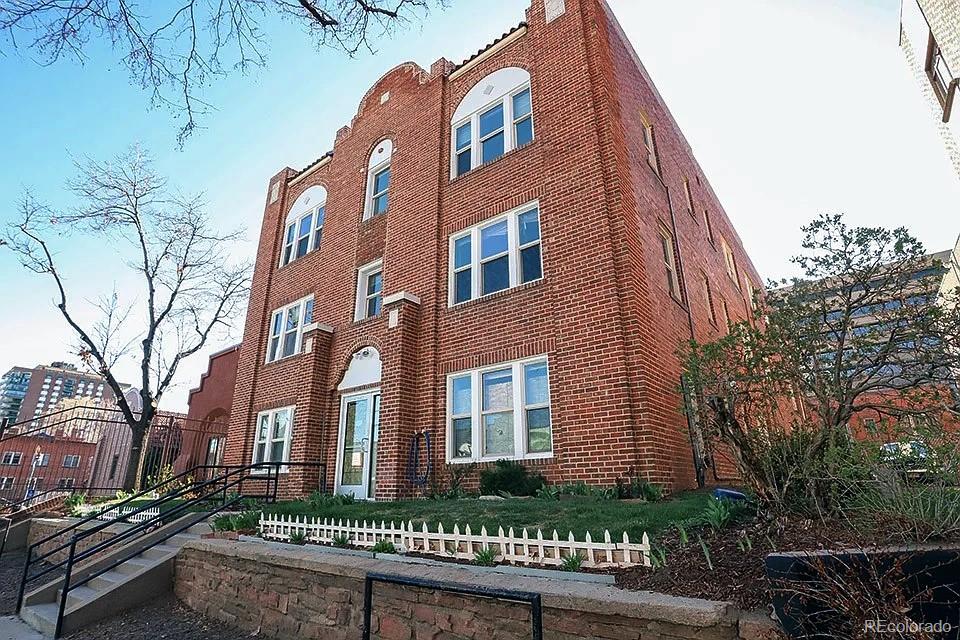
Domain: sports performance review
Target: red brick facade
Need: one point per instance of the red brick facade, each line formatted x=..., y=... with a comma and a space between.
x=602, y=313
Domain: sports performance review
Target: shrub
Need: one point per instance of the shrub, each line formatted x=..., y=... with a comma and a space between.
x=485, y=557
x=298, y=537
x=553, y=492
x=636, y=487
x=341, y=540
x=720, y=513
x=452, y=487
x=511, y=478
x=246, y=521
x=73, y=502
x=320, y=501
x=571, y=563
x=384, y=546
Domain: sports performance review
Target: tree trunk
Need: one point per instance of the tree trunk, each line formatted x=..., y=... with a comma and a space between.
x=138, y=451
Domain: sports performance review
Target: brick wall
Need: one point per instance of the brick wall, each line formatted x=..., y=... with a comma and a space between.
x=290, y=592
x=601, y=312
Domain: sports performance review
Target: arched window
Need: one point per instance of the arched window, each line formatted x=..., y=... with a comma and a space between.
x=494, y=117
x=378, y=179
x=304, y=225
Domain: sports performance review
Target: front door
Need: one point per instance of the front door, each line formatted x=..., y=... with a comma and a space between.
x=357, y=453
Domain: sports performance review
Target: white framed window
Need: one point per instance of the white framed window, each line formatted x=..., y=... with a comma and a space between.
x=65, y=483
x=730, y=261
x=369, y=290
x=71, y=461
x=303, y=228
x=274, y=432
x=751, y=293
x=497, y=254
x=6, y=483
x=940, y=77
x=496, y=116
x=11, y=458
x=378, y=180
x=286, y=328
x=500, y=411
x=669, y=262
x=42, y=459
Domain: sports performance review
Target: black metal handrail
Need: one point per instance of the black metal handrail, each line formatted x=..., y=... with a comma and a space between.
x=233, y=476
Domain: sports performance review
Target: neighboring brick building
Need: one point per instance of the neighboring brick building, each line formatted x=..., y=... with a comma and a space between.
x=210, y=404
x=516, y=285
x=930, y=39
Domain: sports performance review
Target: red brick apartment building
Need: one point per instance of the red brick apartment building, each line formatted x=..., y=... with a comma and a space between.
x=503, y=253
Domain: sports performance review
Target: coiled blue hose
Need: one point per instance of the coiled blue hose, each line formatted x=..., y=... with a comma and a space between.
x=413, y=460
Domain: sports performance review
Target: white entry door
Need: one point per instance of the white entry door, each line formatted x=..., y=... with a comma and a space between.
x=357, y=451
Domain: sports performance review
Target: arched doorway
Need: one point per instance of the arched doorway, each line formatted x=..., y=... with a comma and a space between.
x=359, y=425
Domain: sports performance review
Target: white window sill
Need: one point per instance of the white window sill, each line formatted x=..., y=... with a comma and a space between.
x=488, y=459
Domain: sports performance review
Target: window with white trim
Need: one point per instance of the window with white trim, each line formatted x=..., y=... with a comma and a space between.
x=286, y=328
x=303, y=234
x=944, y=85
x=6, y=483
x=369, y=290
x=496, y=116
x=649, y=143
x=65, y=483
x=495, y=255
x=274, y=432
x=42, y=459
x=501, y=411
x=751, y=293
x=11, y=458
x=689, y=195
x=71, y=461
x=669, y=262
x=378, y=180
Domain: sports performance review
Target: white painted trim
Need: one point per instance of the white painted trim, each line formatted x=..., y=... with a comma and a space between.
x=317, y=326
x=307, y=172
x=503, y=97
x=288, y=439
x=300, y=329
x=399, y=296
x=360, y=303
x=342, y=424
x=476, y=412
x=516, y=35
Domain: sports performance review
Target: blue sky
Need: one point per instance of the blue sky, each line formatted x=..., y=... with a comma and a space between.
x=791, y=107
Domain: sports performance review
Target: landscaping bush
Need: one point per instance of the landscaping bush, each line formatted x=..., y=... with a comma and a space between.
x=319, y=500
x=582, y=489
x=246, y=522
x=510, y=478
x=636, y=487
x=450, y=487
x=384, y=546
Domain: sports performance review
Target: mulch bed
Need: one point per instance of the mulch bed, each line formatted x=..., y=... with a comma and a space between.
x=164, y=618
x=738, y=574
x=11, y=572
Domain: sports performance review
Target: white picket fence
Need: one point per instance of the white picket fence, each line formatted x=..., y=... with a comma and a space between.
x=138, y=517
x=522, y=549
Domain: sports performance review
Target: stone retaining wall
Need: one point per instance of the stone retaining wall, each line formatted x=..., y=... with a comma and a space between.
x=43, y=527
x=285, y=591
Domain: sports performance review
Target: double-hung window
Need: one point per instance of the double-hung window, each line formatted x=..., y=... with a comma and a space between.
x=71, y=461
x=493, y=121
x=11, y=458
x=42, y=459
x=304, y=226
x=378, y=180
x=286, y=328
x=670, y=263
x=944, y=86
x=65, y=483
x=502, y=411
x=649, y=143
x=369, y=290
x=495, y=255
x=6, y=483
x=273, y=435
x=730, y=261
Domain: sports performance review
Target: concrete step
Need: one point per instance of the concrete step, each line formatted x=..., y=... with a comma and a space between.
x=199, y=529
x=132, y=566
x=106, y=580
x=159, y=552
x=79, y=595
x=181, y=539
x=42, y=617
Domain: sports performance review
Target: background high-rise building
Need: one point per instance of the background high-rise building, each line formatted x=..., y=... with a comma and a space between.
x=26, y=394
x=930, y=39
x=13, y=388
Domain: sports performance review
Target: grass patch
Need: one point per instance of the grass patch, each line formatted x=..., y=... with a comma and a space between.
x=578, y=515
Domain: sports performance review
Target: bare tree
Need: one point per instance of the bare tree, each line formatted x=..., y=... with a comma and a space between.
x=173, y=48
x=190, y=289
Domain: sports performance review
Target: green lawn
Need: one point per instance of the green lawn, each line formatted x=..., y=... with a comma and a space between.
x=578, y=515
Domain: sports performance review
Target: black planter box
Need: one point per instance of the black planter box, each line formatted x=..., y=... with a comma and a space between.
x=813, y=591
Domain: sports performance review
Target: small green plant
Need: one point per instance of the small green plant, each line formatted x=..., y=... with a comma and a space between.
x=684, y=536
x=74, y=502
x=636, y=487
x=744, y=543
x=122, y=495
x=320, y=501
x=706, y=552
x=581, y=488
x=384, y=546
x=247, y=521
x=571, y=563
x=485, y=557
x=719, y=514
x=341, y=540
x=511, y=477
x=658, y=556
x=298, y=537
x=770, y=541
x=451, y=488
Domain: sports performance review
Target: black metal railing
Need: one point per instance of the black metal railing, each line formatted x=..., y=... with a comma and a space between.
x=509, y=595
x=209, y=495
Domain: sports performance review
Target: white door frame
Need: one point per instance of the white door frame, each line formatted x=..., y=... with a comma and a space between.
x=369, y=463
